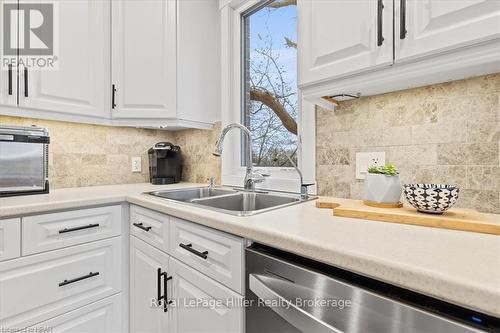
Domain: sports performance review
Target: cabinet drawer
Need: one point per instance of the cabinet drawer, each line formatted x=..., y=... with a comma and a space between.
x=53, y=231
x=43, y=286
x=10, y=239
x=150, y=226
x=101, y=316
x=190, y=286
x=214, y=253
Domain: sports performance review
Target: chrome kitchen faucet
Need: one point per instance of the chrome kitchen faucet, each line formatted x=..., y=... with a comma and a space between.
x=251, y=177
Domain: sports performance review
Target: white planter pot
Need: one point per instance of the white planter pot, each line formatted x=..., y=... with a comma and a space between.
x=382, y=188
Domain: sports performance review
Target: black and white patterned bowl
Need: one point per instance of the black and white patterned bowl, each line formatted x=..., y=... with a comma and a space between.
x=431, y=198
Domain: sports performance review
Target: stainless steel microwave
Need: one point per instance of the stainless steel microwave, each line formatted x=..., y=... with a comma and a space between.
x=24, y=160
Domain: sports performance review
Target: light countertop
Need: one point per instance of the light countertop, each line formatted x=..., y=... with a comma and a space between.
x=456, y=266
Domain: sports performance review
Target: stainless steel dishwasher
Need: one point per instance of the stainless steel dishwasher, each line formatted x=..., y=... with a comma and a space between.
x=288, y=293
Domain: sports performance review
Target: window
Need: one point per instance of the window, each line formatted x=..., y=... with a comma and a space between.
x=270, y=103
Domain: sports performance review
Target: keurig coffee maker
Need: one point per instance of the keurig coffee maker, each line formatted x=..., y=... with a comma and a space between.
x=165, y=163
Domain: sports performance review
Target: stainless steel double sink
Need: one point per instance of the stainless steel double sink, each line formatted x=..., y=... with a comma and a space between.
x=231, y=201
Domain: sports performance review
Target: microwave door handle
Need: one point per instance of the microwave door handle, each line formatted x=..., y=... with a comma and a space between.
x=294, y=315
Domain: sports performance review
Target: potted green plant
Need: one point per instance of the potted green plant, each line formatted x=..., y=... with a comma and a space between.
x=382, y=185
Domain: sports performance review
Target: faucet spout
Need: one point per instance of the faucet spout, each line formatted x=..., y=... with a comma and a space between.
x=250, y=177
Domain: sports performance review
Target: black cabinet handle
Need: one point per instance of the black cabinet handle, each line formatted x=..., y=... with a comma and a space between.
x=10, y=79
x=62, y=231
x=189, y=247
x=65, y=282
x=380, y=36
x=166, y=302
x=159, y=274
x=141, y=226
x=159, y=298
x=26, y=77
x=402, y=19
x=113, y=92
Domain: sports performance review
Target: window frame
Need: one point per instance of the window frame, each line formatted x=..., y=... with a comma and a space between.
x=232, y=104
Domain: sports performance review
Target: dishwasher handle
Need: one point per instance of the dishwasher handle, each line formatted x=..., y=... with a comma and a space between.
x=294, y=315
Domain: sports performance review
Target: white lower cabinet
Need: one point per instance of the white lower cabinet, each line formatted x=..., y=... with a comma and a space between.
x=43, y=286
x=197, y=303
x=202, y=304
x=145, y=285
x=10, y=239
x=103, y=316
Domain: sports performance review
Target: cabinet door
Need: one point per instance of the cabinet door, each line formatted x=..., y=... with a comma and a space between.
x=103, y=316
x=8, y=75
x=434, y=26
x=341, y=37
x=143, y=58
x=79, y=85
x=145, y=261
x=202, y=304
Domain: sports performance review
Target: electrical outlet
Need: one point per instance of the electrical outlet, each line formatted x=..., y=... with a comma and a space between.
x=366, y=160
x=136, y=164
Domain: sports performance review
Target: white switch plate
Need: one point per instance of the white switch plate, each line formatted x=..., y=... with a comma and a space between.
x=136, y=164
x=366, y=160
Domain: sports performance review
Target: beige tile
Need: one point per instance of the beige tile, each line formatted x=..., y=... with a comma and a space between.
x=441, y=174
x=332, y=189
x=67, y=164
x=468, y=154
x=483, y=130
x=333, y=156
x=483, y=178
x=439, y=133
x=94, y=159
x=397, y=136
x=483, y=201
x=402, y=156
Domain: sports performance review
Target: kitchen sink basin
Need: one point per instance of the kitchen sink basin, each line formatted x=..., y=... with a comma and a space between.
x=189, y=194
x=231, y=201
x=245, y=202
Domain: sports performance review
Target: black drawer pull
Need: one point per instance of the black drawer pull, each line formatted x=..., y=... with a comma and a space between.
x=189, y=247
x=10, y=79
x=65, y=282
x=62, y=231
x=141, y=226
x=26, y=84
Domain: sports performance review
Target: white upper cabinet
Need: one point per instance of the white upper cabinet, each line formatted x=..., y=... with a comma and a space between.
x=434, y=26
x=8, y=74
x=78, y=85
x=432, y=41
x=338, y=38
x=139, y=63
x=144, y=58
x=165, y=62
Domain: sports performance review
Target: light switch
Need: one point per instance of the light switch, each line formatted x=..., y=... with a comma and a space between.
x=366, y=160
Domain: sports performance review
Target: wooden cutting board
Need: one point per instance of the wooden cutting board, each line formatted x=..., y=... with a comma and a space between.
x=455, y=218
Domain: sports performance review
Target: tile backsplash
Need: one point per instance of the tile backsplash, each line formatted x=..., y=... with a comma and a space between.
x=445, y=133
x=88, y=155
